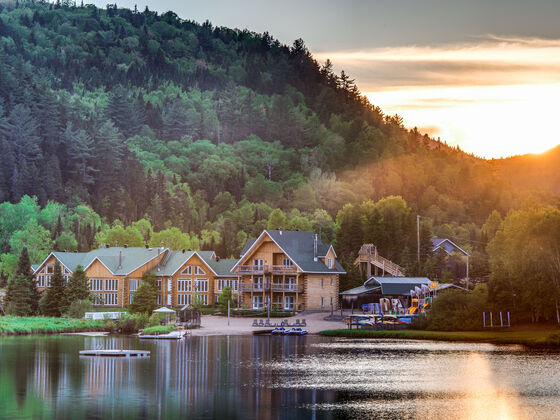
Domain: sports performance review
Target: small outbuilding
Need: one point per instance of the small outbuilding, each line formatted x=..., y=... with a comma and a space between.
x=189, y=317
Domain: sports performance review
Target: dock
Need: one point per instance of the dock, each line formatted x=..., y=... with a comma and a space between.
x=115, y=353
x=173, y=335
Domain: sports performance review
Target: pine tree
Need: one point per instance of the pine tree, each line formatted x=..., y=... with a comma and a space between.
x=77, y=288
x=16, y=297
x=145, y=298
x=53, y=300
x=22, y=294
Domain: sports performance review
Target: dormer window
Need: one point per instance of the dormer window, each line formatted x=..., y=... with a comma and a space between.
x=187, y=270
x=329, y=264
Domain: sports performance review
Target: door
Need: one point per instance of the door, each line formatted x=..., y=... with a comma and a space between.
x=258, y=283
x=291, y=283
x=289, y=303
x=258, y=262
x=257, y=302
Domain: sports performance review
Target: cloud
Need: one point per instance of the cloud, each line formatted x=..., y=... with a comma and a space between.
x=491, y=60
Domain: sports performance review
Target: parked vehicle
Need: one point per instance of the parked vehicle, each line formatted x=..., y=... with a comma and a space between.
x=278, y=331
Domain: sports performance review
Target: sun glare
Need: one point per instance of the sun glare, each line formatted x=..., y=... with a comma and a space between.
x=488, y=121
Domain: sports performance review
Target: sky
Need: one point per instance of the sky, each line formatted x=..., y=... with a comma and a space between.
x=480, y=74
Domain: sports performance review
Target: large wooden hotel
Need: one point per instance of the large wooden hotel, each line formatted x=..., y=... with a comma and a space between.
x=293, y=269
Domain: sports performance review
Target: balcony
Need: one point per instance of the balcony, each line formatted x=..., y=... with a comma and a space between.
x=274, y=287
x=261, y=269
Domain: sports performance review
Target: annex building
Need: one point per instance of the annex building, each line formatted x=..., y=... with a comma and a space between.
x=295, y=270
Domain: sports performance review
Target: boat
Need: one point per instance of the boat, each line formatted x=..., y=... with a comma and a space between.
x=278, y=331
x=296, y=331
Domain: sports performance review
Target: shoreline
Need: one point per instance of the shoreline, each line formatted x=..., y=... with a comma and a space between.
x=531, y=338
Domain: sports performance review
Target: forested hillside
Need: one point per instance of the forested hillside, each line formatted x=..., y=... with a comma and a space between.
x=125, y=125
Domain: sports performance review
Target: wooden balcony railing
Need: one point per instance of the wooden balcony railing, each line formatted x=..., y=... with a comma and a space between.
x=275, y=287
x=261, y=269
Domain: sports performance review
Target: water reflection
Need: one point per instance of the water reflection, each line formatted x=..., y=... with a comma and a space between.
x=274, y=377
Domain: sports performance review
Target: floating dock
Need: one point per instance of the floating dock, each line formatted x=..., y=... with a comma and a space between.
x=173, y=335
x=115, y=353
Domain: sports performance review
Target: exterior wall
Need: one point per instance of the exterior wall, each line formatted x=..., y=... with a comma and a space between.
x=194, y=261
x=319, y=290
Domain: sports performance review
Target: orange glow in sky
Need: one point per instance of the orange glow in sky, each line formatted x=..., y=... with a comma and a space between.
x=495, y=97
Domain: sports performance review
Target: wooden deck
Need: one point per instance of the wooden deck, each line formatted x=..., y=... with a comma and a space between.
x=368, y=255
x=115, y=353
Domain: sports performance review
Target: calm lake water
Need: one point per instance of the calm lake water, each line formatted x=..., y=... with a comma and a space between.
x=275, y=378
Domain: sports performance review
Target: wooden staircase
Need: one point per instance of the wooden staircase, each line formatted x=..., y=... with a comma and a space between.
x=368, y=256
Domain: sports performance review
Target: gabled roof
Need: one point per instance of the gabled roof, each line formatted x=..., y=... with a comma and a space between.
x=178, y=259
x=131, y=258
x=299, y=246
x=360, y=290
x=447, y=244
x=223, y=266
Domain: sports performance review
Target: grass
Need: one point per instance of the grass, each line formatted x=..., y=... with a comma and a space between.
x=159, y=329
x=14, y=325
x=534, y=338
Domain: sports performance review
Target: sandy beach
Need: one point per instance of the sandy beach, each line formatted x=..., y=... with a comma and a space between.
x=218, y=325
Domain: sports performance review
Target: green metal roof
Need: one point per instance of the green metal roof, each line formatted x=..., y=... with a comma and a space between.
x=223, y=267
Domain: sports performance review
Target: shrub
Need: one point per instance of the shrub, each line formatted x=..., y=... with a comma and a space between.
x=154, y=320
x=142, y=320
x=78, y=308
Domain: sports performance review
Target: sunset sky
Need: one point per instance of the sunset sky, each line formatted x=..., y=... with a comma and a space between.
x=482, y=76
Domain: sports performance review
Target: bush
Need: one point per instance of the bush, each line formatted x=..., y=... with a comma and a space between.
x=142, y=320
x=154, y=320
x=78, y=309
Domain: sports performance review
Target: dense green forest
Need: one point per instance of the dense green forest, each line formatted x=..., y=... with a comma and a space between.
x=130, y=126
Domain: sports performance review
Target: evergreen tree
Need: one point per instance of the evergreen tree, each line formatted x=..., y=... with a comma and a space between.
x=22, y=293
x=145, y=298
x=77, y=288
x=53, y=299
x=17, y=302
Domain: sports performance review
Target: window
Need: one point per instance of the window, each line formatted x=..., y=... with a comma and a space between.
x=97, y=298
x=67, y=275
x=257, y=302
x=291, y=283
x=221, y=283
x=183, y=299
x=184, y=285
x=330, y=263
x=111, y=299
x=159, y=299
x=322, y=302
x=95, y=285
x=332, y=281
x=201, y=285
x=187, y=270
x=130, y=298
x=289, y=303
x=49, y=281
x=286, y=262
x=323, y=282
x=66, y=279
x=332, y=301
x=158, y=284
x=50, y=269
x=41, y=281
x=111, y=285
x=204, y=299
x=42, y=271
x=258, y=262
x=257, y=283
x=198, y=270
x=133, y=285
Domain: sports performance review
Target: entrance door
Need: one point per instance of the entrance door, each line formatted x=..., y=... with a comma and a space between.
x=257, y=302
x=289, y=303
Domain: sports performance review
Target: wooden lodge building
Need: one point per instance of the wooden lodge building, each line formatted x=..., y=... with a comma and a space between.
x=292, y=269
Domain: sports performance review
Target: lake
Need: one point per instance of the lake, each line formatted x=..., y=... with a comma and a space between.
x=245, y=377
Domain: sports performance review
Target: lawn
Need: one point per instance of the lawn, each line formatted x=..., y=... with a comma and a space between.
x=536, y=338
x=13, y=325
x=159, y=329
